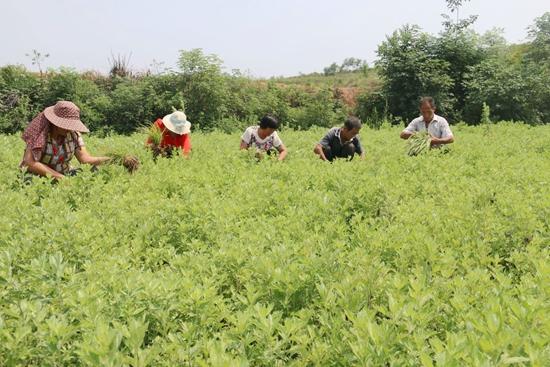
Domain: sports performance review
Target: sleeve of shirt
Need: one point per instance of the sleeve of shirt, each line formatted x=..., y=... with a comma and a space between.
x=186, y=143
x=277, y=142
x=79, y=141
x=412, y=127
x=358, y=146
x=246, y=136
x=445, y=129
x=326, y=139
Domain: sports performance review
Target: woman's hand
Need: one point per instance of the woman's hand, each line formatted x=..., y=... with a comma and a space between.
x=86, y=158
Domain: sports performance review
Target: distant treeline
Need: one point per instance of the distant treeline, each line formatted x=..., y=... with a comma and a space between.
x=470, y=75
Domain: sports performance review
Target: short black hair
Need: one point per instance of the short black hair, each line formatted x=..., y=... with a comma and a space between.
x=269, y=122
x=352, y=122
x=427, y=99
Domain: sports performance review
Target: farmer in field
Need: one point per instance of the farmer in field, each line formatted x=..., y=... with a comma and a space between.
x=437, y=126
x=264, y=138
x=341, y=142
x=174, y=130
x=53, y=137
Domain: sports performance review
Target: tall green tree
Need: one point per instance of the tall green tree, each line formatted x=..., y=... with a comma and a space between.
x=410, y=68
x=460, y=48
x=537, y=65
x=539, y=34
x=457, y=24
x=204, y=87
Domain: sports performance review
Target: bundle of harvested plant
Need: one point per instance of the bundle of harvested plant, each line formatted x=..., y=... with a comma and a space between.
x=419, y=143
x=128, y=161
x=154, y=134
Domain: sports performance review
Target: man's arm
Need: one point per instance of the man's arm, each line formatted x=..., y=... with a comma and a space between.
x=409, y=131
x=405, y=134
x=325, y=142
x=445, y=140
x=319, y=151
x=359, y=148
x=446, y=135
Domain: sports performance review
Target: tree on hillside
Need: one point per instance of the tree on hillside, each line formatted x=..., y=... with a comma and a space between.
x=349, y=65
x=332, y=69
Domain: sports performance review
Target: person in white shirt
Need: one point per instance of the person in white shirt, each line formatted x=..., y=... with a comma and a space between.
x=436, y=125
x=264, y=137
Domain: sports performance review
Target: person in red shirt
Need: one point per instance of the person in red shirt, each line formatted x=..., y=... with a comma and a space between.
x=175, y=133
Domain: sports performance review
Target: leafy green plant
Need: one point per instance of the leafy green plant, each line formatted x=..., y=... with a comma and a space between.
x=485, y=114
x=220, y=260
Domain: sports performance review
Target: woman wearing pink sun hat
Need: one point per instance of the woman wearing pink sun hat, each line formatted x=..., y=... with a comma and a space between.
x=53, y=137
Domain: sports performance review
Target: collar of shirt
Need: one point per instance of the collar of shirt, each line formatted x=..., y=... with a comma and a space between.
x=339, y=138
x=434, y=119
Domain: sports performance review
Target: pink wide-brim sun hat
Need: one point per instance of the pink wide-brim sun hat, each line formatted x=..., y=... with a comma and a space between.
x=66, y=115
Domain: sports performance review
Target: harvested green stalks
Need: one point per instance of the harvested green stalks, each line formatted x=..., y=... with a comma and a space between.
x=419, y=143
x=154, y=134
x=130, y=162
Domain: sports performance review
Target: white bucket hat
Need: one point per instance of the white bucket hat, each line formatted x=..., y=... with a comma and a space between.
x=177, y=123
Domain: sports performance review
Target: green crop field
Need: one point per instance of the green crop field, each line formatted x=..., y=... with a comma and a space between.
x=440, y=259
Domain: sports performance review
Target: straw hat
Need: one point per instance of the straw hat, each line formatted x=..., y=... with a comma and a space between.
x=65, y=115
x=177, y=123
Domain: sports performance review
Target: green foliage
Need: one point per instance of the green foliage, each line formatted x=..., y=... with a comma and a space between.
x=506, y=88
x=461, y=50
x=349, y=65
x=203, y=86
x=332, y=69
x=248, y=102
x=221, y=260
x=373, y=110
x=153, y=133
x=320, y=110
x=539, y=33
x=410, y=69
x=485, y=114
x=67, y=85
x=368, y=80
x=459, y=68
x=463, y=69
x=38, y=59
x=19, y=92
x=458, y=25
x=14, y=112
x=140, y=102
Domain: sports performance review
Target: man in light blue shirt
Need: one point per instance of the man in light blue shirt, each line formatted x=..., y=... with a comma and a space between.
x=436, y=125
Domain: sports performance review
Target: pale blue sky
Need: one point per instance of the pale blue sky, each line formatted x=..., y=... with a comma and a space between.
x=266, y=38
